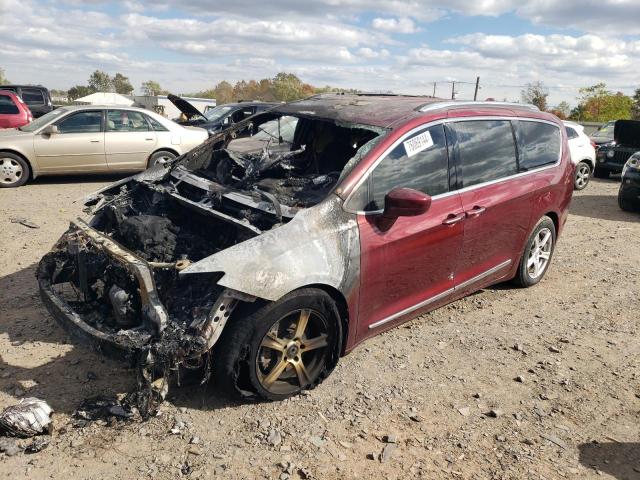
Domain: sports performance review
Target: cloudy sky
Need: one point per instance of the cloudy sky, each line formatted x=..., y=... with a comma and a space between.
x=378, y=45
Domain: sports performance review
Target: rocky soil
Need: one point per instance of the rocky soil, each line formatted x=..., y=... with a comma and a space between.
x=542, y=383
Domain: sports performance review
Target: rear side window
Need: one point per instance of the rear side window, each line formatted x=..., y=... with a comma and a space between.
x=571, y=133
x=486, y=150
x=539, y=144
x=32, y=96
x=419, y=162
x=7, y=107
x=126, y=121
x=156, y=125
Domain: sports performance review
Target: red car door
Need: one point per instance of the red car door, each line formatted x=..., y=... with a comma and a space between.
x=409, y=266
x=497, y=208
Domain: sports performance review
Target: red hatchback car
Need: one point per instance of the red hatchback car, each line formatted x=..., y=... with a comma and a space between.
x=14, y=112
x=267, y=258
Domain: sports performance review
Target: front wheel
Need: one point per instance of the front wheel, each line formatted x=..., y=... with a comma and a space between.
x=624, y=203
x=14, y=171
x=283, y=348
x=537, y=253
x=583, y=171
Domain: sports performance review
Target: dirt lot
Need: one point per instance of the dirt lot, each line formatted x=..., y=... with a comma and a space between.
x=421, y=393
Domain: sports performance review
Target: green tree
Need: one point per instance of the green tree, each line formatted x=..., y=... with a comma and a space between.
x=151, y=88
x=3, y=79
x=100, y=81
x=635, y=109
x=535, y=93
x=287, y=87
x=122, y=84
x=79, y=91
x=601, y=105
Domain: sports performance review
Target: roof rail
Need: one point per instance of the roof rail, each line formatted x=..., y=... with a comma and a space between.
x=470, y=103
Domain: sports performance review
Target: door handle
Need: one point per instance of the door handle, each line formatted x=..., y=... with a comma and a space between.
x=475, y=211
x=452, y=219
x=94, y=141
x=149, y=139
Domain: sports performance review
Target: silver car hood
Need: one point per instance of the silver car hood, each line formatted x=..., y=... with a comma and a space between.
x=13, y=133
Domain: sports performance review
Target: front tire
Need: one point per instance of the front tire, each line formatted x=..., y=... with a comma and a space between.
x=583, y=172
x=537, y=253
x=600, y=173
x=282, y=348
x=624, y=203
x=14, y=170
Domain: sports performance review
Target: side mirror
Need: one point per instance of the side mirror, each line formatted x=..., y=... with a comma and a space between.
x=50, y=130
x=402, y=202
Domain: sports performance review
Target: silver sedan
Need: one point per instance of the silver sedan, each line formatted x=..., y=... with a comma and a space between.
x=92, y=139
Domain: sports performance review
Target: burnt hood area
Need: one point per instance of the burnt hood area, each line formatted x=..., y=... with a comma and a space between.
x=627, y=133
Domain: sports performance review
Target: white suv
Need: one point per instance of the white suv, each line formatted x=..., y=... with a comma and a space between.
x=583, y=154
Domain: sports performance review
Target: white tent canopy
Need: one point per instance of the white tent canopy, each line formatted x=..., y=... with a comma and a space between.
x=104, y=98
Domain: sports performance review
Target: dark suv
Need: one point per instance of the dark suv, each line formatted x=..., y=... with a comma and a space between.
x=221, y=117
x=35, y=96
x=611, y=157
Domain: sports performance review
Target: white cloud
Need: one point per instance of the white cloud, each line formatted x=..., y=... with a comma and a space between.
x=396, y=25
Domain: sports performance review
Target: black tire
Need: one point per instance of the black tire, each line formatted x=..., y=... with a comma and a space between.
x=600, y=173
x=161, y=156
x=238, y=357
x=581, y=180
x=624, y=203
x=525, y=277
x=14, y=170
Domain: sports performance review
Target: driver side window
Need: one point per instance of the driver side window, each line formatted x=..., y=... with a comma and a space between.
x=420, y=162
x=81, y=122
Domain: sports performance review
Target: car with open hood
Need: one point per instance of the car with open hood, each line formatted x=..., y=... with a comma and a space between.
x=265, y=262
x=611, y=157
x=604, y=134
x=220, y=117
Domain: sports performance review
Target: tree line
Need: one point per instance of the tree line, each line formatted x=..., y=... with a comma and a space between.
x=595, y=104
x=284, y=87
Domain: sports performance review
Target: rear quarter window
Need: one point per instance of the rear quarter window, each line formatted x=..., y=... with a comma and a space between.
x=539, y=144
x=32, y=96
x=7, y=107
x=485, y=149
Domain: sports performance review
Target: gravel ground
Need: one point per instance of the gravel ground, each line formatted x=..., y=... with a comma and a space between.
x=507, y=383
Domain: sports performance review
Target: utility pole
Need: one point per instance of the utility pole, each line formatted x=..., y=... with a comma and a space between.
x=453, y=90
x=475, y=95
x=434, y=89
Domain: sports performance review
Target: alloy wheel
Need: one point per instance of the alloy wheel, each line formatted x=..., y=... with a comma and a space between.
x=582, y=175
x=10, y=171
x=293, y=352
x=540, y=253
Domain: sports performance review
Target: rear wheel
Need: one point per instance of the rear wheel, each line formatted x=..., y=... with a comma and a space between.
x=600, y=173
x=583, y=172
x=160, y=158
x=14, y=170
x=537, y=253
x=282, y=348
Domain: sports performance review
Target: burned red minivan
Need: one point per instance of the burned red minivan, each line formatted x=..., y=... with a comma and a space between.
x=264, y=259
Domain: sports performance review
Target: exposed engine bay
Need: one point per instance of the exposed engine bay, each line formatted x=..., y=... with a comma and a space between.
x=119, y=277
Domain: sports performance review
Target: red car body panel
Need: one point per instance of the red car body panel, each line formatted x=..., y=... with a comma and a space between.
x=419, y=264
x=22, y=115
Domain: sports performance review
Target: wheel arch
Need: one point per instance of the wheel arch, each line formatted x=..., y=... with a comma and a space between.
x=162, y=149
x=343, y=309
x=32, y=173
x=555, y=218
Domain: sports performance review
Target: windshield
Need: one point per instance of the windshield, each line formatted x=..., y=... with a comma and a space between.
x=281, y=128
x=605, y=130
x=43, y=120
x=217, y=113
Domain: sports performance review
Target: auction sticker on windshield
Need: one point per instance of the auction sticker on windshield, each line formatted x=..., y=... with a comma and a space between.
x=418, y=143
